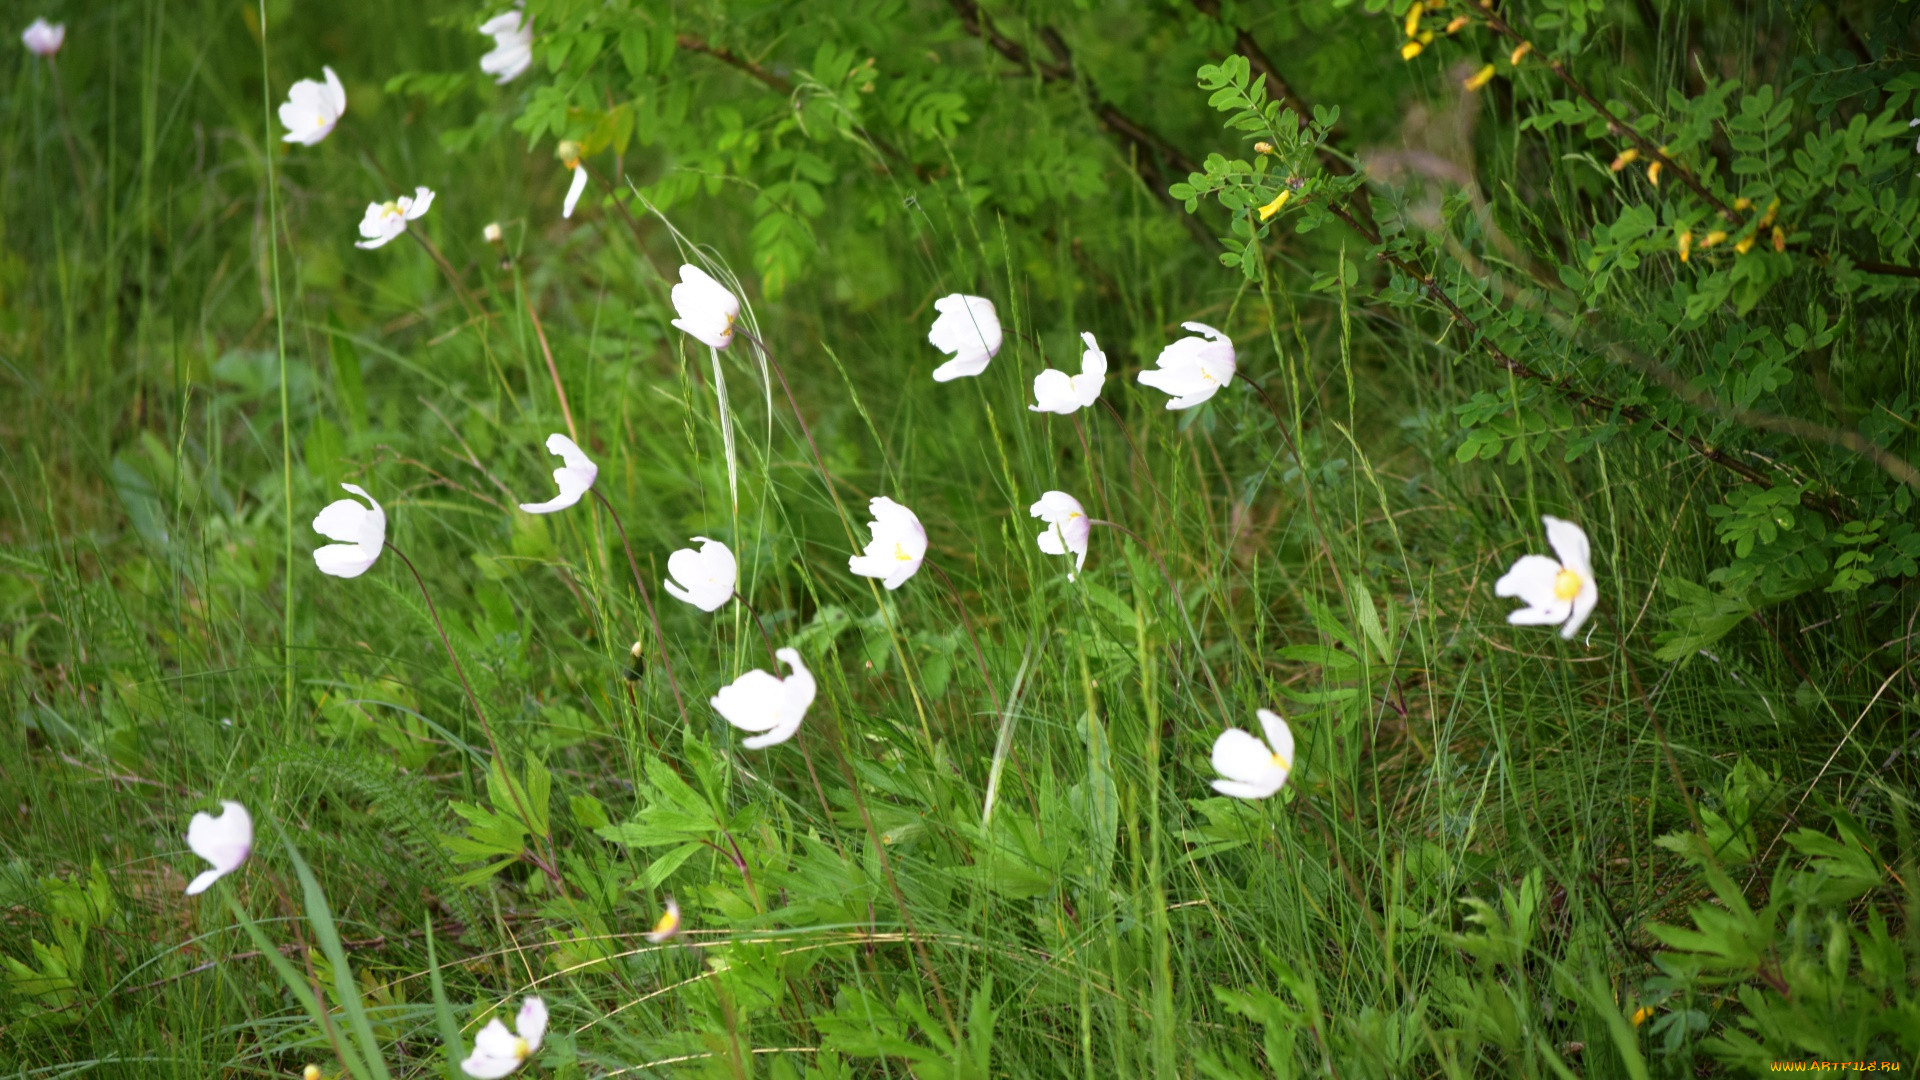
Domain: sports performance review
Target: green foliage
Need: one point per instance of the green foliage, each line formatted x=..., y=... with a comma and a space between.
x=1677, y=844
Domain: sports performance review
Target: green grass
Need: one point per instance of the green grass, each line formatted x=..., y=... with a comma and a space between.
x=1463, y=877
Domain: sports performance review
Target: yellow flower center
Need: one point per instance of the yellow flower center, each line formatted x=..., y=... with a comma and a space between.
x=669, y=922
x=900, y=552
x=391, y=209
x=1566, y=585
x=520, y=1048
x=1282, y=763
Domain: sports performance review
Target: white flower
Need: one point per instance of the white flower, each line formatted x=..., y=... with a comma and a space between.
x=512, y=46
x=668, y=926
x=1254, y=769
x=898, y=546
x=574, y=477
x=312, y=108
x=224, y=841
x=759, y=701
x=703, y=578
x=386, y=220
x=1556, y=592
x=43, y=38
x=1057, y=392
x=1192, y=369
x=1914, y=123
x=968, y=331
x=497, y=1051
x=492, y=234
x=361, y=533
x=1068, y=526
x=575, y=189
x=706, y=309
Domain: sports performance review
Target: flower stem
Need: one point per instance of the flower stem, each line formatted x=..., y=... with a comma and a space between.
x=559, y=390
x=666, y=656
x=433, y=250
x=761, y=624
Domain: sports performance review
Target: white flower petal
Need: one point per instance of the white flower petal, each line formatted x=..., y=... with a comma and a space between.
x=1548, y=615
x=512, y=47
x=573, y=478
x=1569, y=541
x=1238, y=755
x=344, y=560
x=1279, y=735
x=532, y=1022
x=1583, y=605
x=574, y=191
x=1530, y=579
x=1242, y=790
x=418, y=206
x=1053, y=392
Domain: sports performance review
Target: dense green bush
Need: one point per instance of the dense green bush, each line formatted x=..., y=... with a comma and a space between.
x=1651, y=267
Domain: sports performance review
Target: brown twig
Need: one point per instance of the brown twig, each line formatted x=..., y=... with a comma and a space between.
x=559, y=390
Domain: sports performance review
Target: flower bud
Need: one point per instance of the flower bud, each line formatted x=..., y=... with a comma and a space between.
x=1410, y=50
x=1520, y=53
x=1478, y=79
x=492, y=233
x=1627, y=157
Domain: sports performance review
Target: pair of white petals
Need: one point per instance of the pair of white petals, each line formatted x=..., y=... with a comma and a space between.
x=1054, y=391
x=384, y=221
x=512, y=51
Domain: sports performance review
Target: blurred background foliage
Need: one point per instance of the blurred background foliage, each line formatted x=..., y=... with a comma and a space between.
x=1681, y=845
